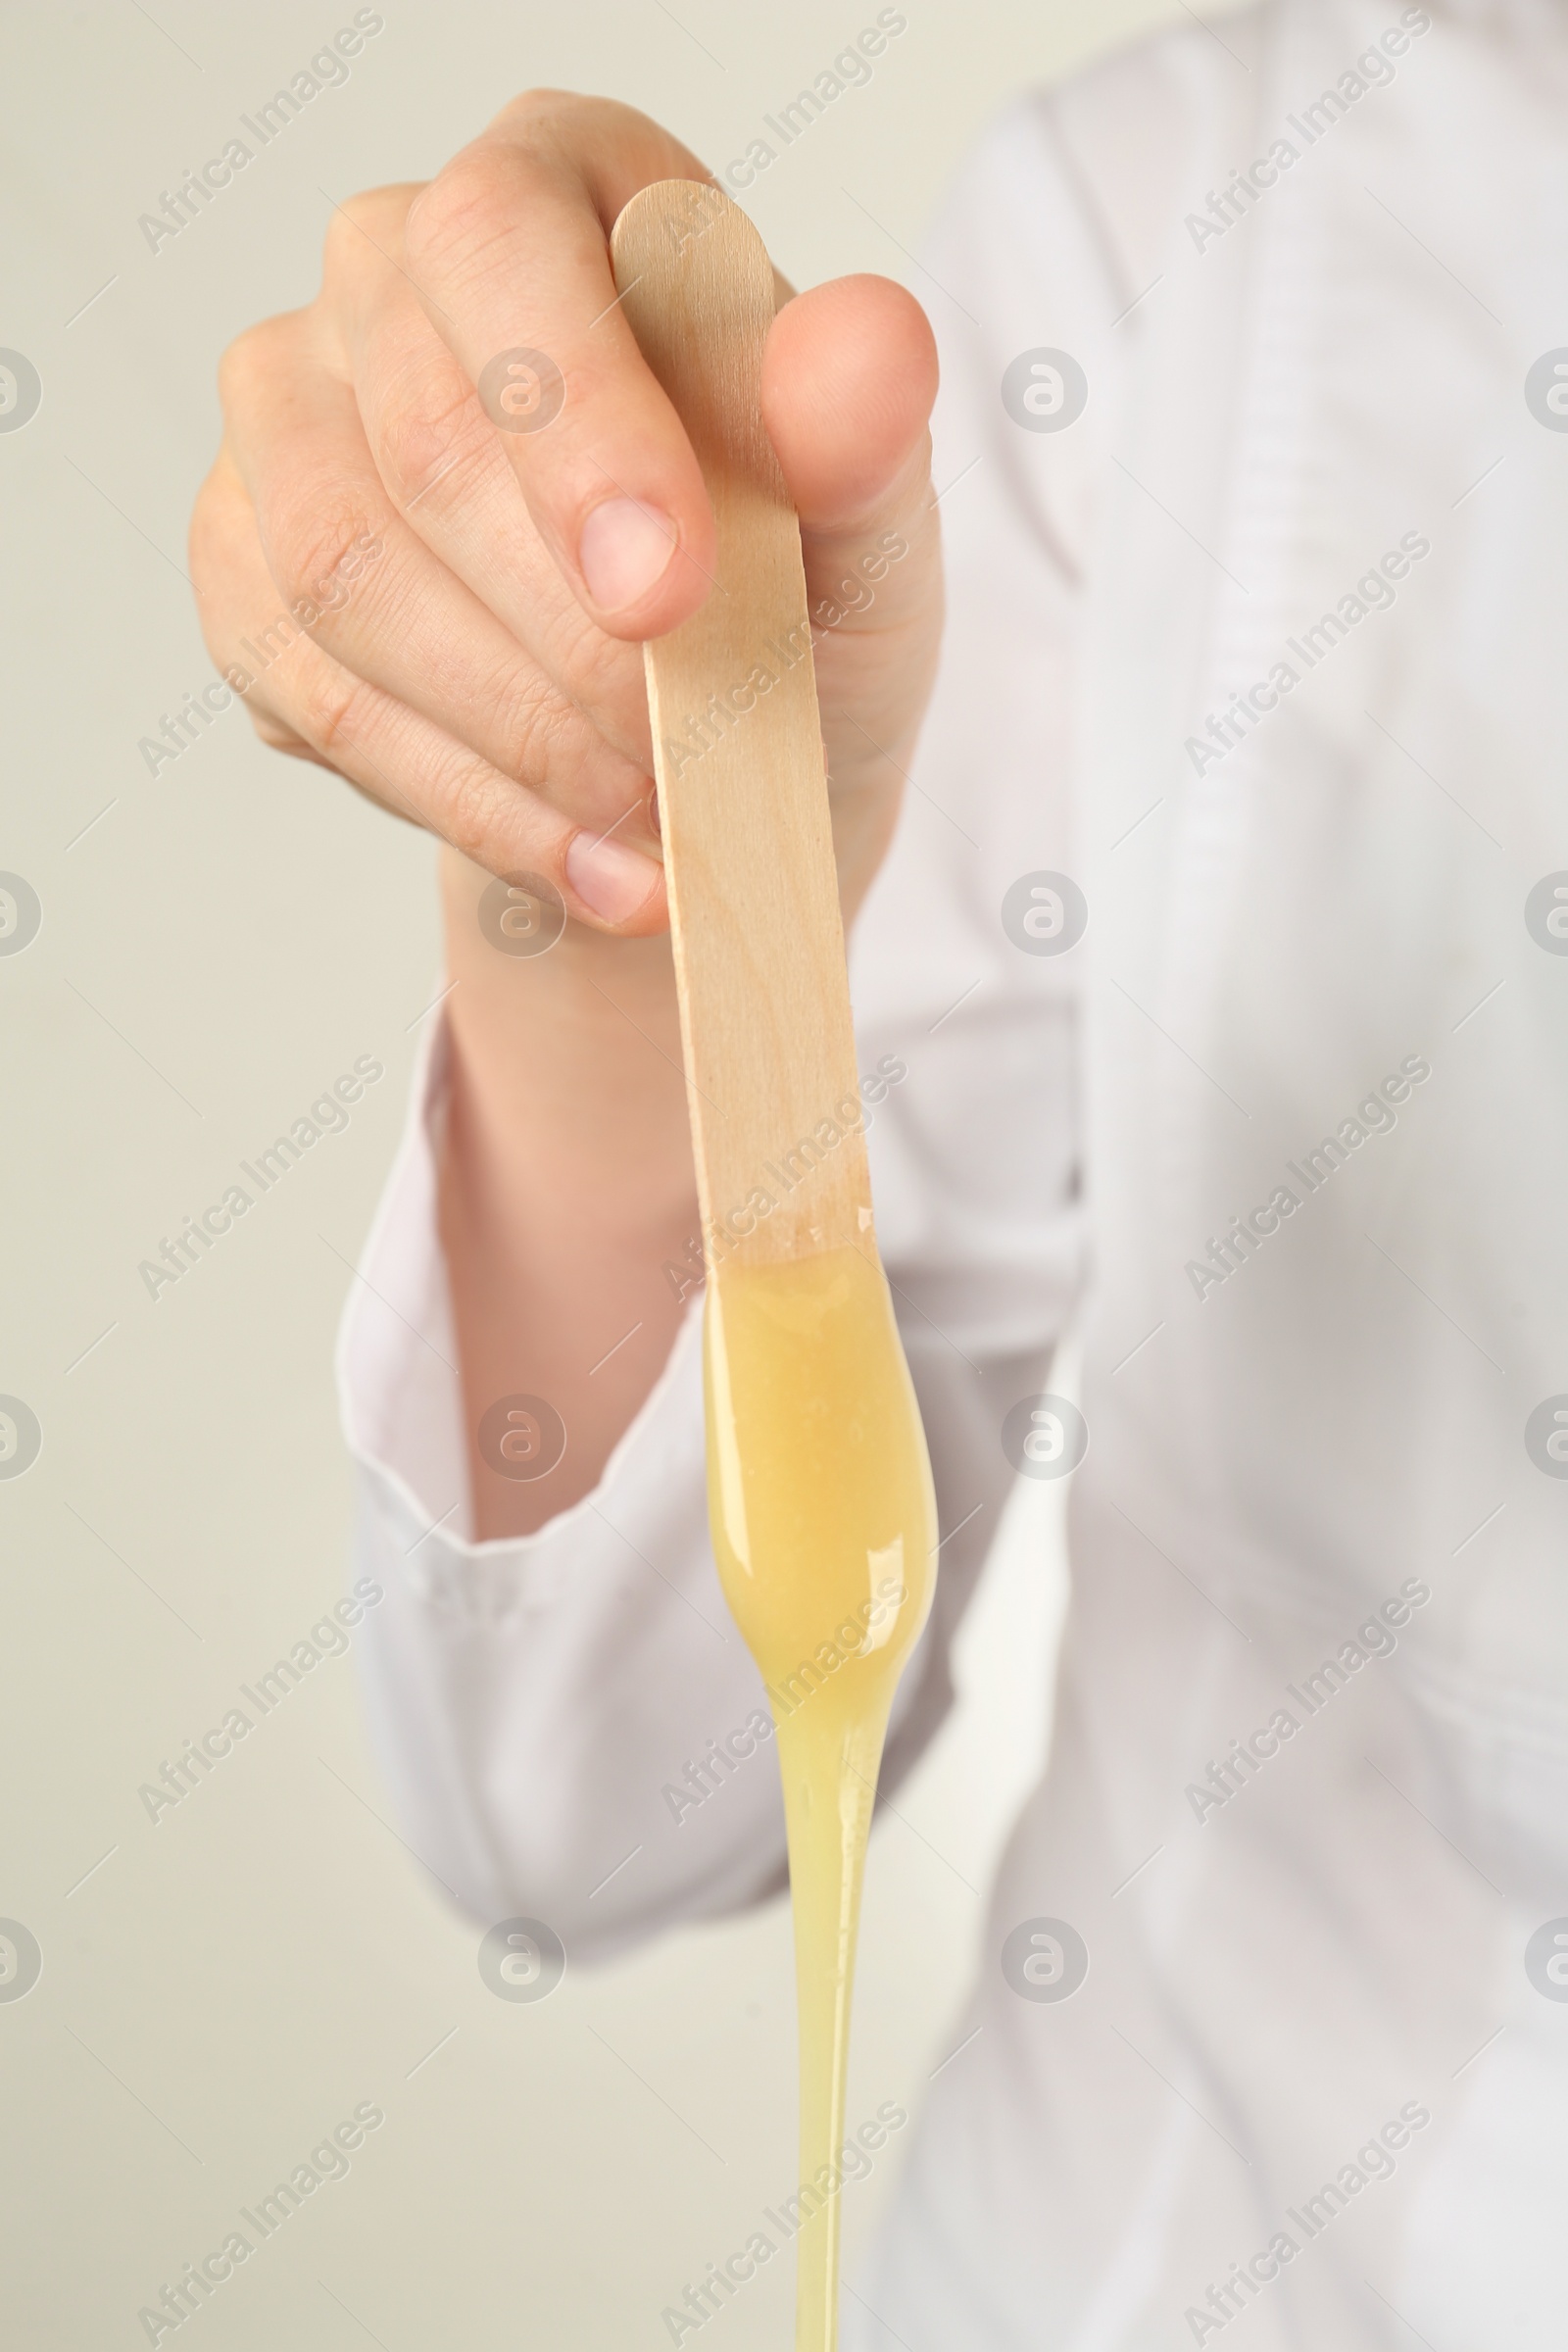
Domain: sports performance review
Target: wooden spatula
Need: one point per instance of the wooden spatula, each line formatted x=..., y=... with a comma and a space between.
x=819, y=1490
x=738, y=756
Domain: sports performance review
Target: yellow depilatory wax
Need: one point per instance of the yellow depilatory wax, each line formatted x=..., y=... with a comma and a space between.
x=824, y=1527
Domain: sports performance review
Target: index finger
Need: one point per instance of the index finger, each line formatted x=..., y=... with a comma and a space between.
x=509, y=251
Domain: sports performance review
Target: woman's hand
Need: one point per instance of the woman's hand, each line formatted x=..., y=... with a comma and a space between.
x=447, y=608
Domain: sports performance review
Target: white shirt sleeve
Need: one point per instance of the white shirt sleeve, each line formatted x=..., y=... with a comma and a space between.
x=539, y=1704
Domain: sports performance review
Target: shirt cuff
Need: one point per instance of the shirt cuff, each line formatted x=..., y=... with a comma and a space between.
x=400, y=1397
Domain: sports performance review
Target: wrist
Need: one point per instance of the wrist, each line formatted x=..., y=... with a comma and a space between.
x=568, y=1109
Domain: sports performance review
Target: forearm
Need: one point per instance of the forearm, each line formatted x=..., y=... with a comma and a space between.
x=566, y=1188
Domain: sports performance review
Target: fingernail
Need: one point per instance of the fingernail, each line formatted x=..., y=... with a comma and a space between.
x=624, y=548
x=612, y=881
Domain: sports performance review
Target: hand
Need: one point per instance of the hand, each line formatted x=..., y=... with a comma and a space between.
x=449, y=615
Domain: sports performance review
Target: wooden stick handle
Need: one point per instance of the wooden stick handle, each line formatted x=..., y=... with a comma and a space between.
x=758, y=939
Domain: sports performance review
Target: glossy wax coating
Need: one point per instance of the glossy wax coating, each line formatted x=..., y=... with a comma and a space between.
x=824, y=1527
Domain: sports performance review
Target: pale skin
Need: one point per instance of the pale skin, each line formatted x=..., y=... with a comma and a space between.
x=482, y=676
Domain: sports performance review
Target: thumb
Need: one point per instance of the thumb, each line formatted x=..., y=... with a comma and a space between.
x=849, y=376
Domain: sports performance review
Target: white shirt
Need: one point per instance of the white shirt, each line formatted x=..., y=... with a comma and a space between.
x=1327, y=1437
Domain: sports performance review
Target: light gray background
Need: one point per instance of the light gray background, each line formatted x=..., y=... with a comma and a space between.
x=219, y=943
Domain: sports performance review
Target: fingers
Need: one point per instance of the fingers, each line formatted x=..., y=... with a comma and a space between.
x=442, y=601
x=381, y=604
x=509, y=249
x=443, y=465
x=304, y=701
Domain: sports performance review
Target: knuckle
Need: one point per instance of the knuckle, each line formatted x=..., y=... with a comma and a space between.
x=599, y=678
x=331, y=707
x=542, y=112
x=429, y=422
x=468, y=812
x=534, y=725
x=597, y=672
x=465, y=814
x=214, y=518
x=317, y=541
x=361, y=226
x=254, y=358
x=560, y=119
x=346, y=250
x=461, y=214
x=240, y=368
